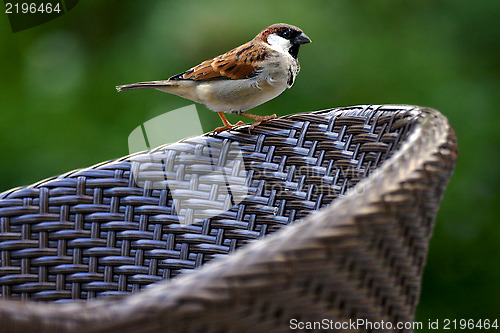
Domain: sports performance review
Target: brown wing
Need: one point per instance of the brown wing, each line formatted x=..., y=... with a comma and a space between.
x=238, y=63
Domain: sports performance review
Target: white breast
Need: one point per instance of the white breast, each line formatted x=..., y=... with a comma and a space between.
x=240, y=95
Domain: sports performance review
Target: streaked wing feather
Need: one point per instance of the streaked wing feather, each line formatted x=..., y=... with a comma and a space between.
x=236, y=64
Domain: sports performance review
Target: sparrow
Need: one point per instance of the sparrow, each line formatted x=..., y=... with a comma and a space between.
x=242, y=78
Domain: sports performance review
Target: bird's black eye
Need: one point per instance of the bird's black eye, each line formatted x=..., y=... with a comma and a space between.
x=286, y=34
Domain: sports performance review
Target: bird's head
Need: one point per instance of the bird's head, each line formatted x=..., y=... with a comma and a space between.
x=284, y=38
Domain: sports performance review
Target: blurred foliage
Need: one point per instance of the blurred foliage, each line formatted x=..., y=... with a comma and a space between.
x=60, y=111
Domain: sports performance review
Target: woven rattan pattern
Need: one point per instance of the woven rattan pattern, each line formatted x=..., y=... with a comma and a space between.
x=104, y=230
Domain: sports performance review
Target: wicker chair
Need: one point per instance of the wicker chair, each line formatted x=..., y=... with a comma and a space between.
x=348, y=196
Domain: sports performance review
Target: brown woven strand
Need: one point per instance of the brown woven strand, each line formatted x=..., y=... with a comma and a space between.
x=94, y=232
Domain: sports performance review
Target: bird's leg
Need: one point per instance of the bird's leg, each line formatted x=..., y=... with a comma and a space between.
x=227, y=124
x=259, y=119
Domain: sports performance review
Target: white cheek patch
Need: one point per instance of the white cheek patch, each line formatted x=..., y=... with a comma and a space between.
x=278, y=43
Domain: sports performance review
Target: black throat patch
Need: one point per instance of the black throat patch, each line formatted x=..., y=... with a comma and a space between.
x=294, y=50
x=291, y=76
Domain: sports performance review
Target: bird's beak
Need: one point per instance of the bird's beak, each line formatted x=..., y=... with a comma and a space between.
x=302, y=39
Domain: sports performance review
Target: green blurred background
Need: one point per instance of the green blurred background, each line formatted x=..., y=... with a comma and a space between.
x=60, y=111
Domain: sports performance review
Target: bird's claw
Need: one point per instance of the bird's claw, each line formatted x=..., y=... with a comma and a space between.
x=227, y=127
x=260, y=120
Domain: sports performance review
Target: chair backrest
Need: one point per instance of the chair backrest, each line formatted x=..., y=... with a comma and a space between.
x=376, y=173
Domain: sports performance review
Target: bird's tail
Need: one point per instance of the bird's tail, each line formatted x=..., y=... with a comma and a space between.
x=150, y=84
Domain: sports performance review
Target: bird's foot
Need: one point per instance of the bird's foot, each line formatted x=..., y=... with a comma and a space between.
x=260, y=120
x=226, y=127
